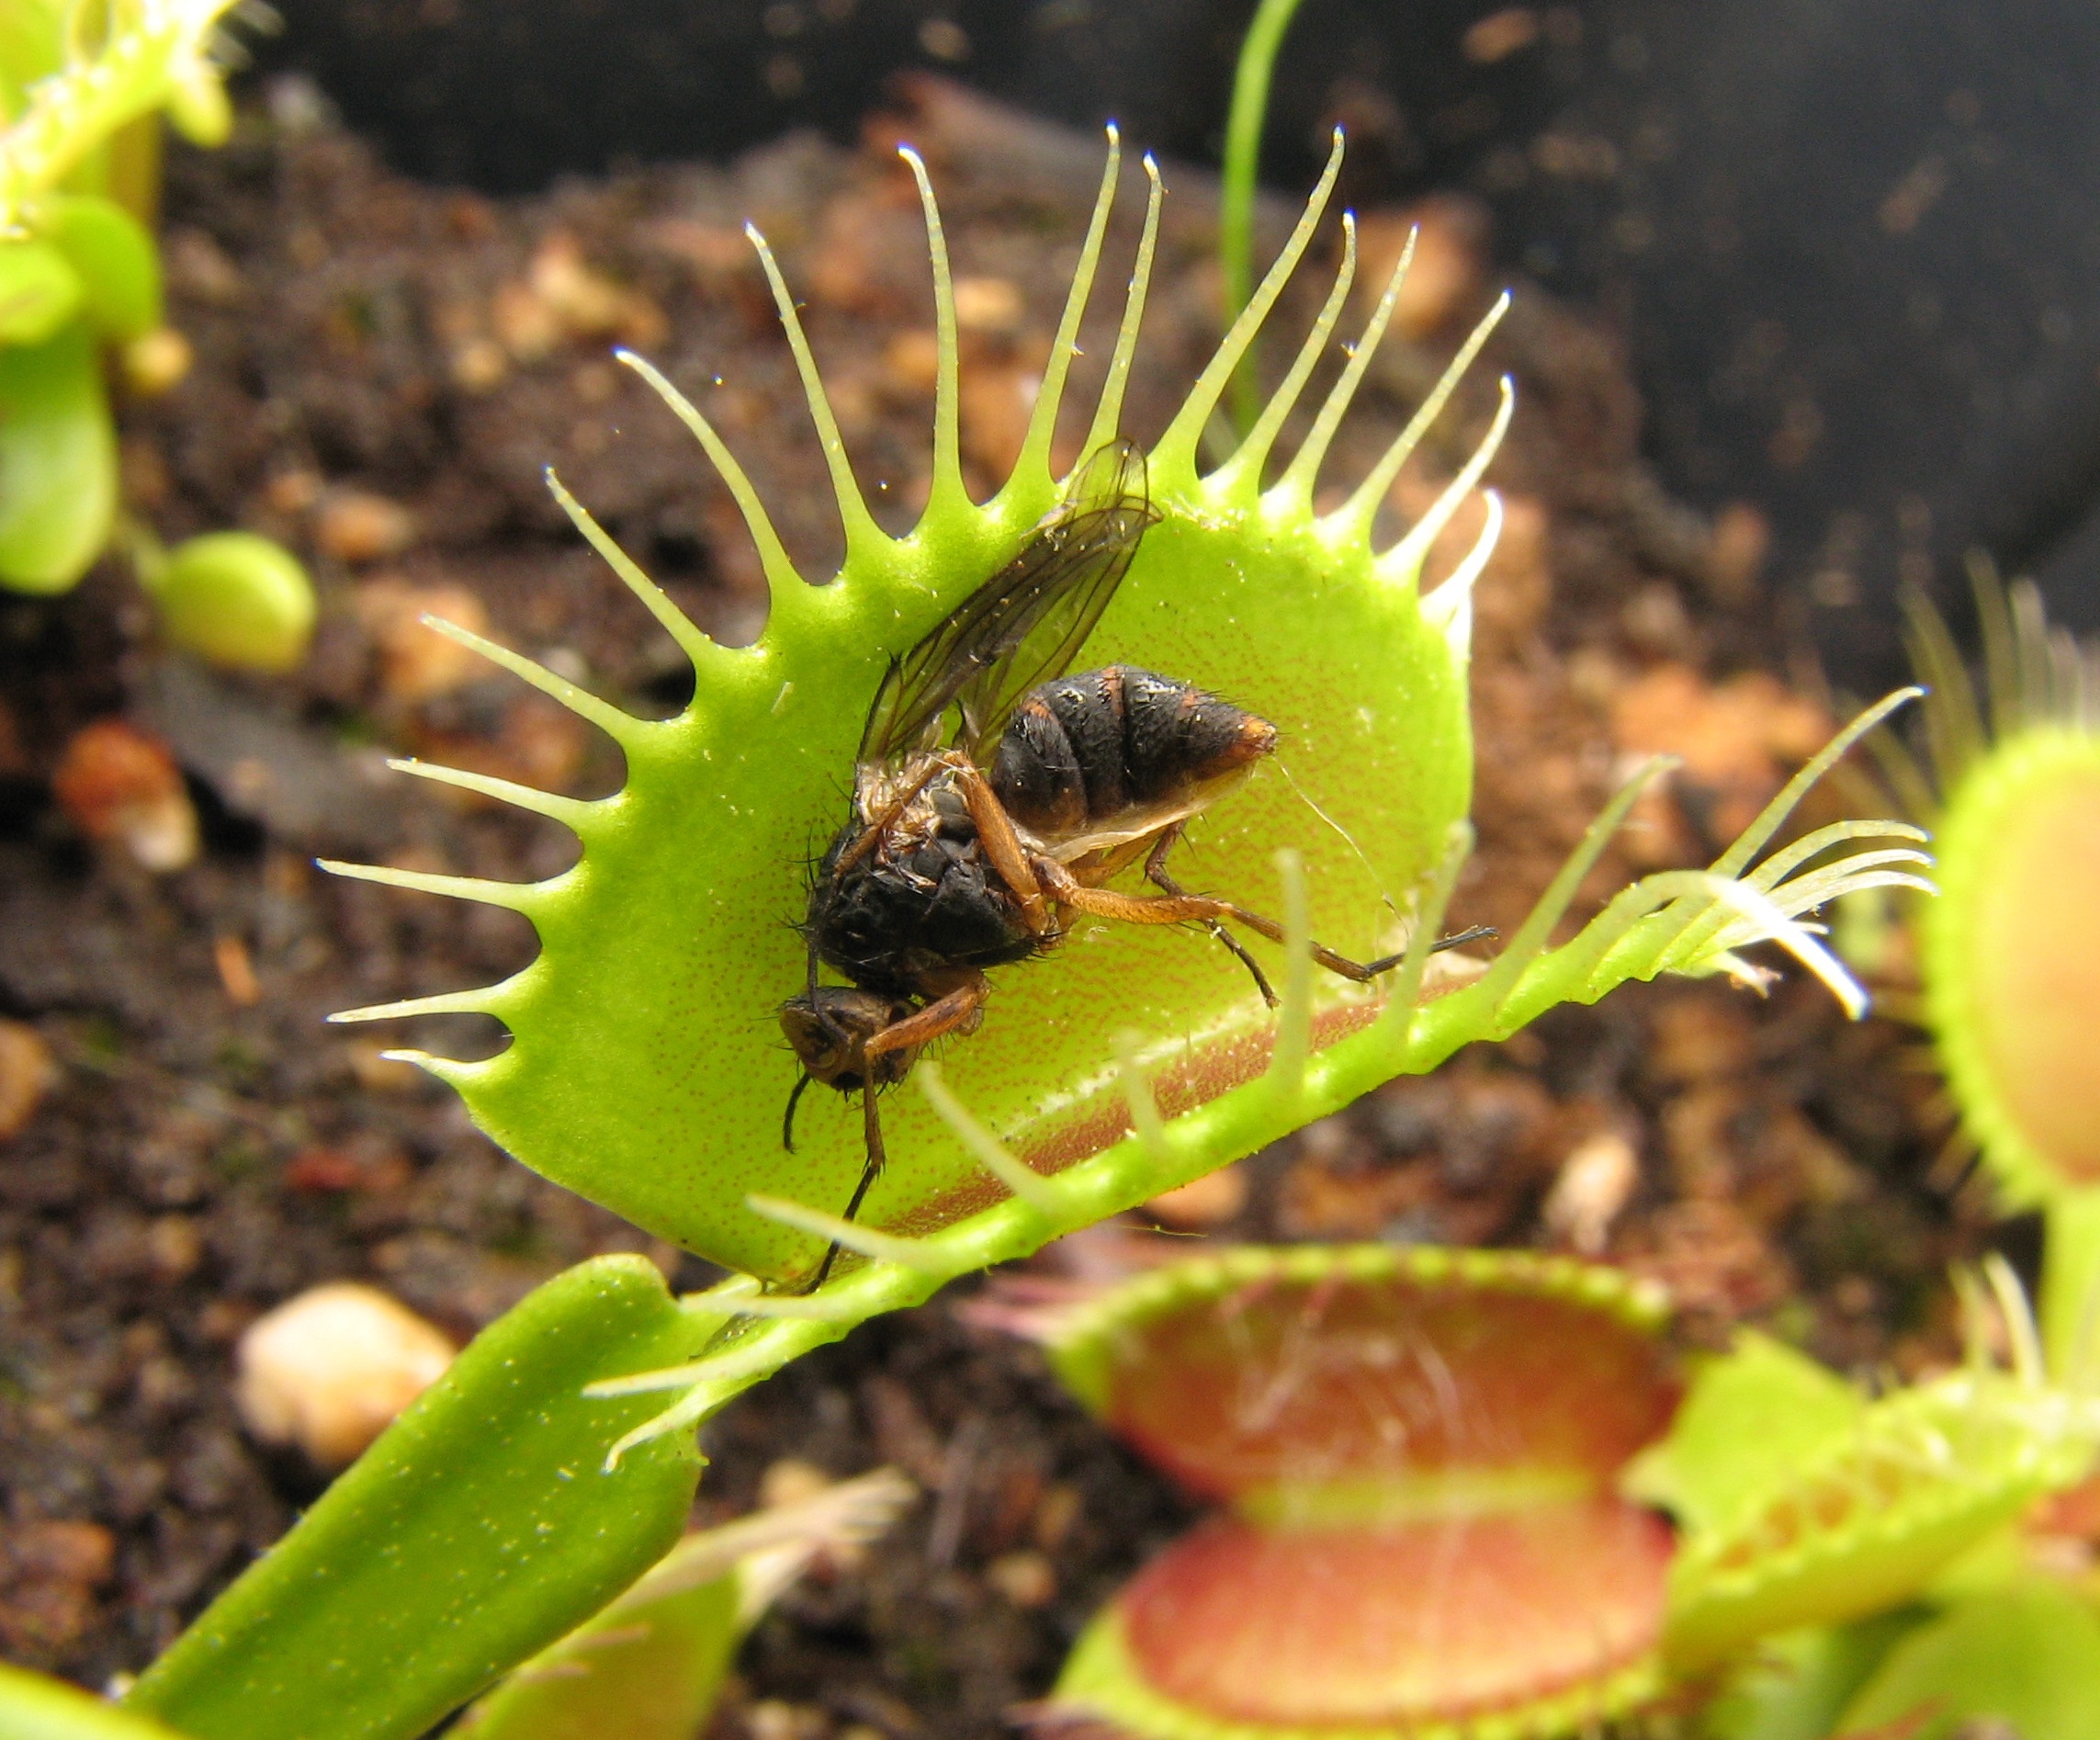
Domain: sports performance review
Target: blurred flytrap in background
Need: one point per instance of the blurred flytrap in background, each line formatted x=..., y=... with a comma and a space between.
x=82, y=86
x=1435, y=1468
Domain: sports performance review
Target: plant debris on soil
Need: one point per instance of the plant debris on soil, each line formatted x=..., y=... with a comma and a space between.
x=382, y=370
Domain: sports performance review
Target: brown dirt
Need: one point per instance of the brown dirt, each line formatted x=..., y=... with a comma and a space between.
x=382, y=370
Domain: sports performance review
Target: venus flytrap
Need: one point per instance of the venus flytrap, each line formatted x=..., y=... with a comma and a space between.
x=644, y=1069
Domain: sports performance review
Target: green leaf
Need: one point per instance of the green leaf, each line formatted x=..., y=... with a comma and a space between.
x=34, y=1707
x=2070, y=1288
x=115, y=258
x=648, y=1667
x=1798, y=1683
x=236, y=599
x=2028, y=1656
x=40, y=290
x=58, y=462
x=78, y=86
x=1864, y=1520
x=1747, y=1420
x=483, y=1525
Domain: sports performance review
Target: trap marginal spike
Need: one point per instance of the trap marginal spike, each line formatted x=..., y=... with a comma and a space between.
x=1030, y=1187
x=783, y=582
x=1355, y=516
x=518, y=897
x=572, y=812
x=1403, y=560
x=879, y=1247
x=1175, y=452
x=442, y=1003
x=1300, y=480
x=1108, y=409
x=692, y=641
x=860, y=531
x=1241, y=474
x=1286, y=1076
x=1450, y=606
x=1033, y=465
x=948, y=348
x=624, y=729
x=1530, y=940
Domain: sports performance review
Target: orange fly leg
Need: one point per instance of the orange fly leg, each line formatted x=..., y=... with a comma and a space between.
x=880, y=825
x=1002, y=845
x=958, y=1011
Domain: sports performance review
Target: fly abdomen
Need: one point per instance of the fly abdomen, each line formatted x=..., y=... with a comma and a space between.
x=1091, y=745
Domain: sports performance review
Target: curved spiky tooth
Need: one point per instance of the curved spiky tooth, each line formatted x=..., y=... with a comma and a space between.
x=1751, y=840
x=947, y=349
x=470, y=1002
x=624, y=729
x=572, y=812
x=1108, y=408
x=1145, y=1123
x=1294, y=1002
x=985, y=1147
x=1402, y=564
x=527, y=897
x=1176, y=453
x=1241, y=474
x=1357, y=514
x=907, y=1253
x=692, y=640
x=792, y=597
x=863, y=535
x=1782, y=863
x=1450, y=606
x=1032, y=470
x=1526, y=945
x=1403, y=990
x=1292, y=492
x=695, y=1406
x=758, y=1359
x=1765, y=921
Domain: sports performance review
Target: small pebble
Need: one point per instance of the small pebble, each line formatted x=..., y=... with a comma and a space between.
x=988, y=305
x=791, y=1481
x=122, y=787
x=1592, y=1189
x=26, y=1074
x=1209, y=1200
x=330, y=1370
x=156, y=362
x=359, y=526
x=416, y=662
x=1026, y=1579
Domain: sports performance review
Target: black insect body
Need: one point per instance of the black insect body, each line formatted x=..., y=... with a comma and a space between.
x=968, y=842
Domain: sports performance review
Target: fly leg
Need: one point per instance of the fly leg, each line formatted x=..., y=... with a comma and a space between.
x=1178, y=905
x=1002, y=844
x=1155, y=872
x=888, y=1055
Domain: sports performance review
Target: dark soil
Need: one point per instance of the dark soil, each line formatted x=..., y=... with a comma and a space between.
x=211, y=1147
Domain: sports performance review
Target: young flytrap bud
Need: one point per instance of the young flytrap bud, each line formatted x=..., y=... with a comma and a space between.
x=236, y=599
x=644, y=1067
x=1435, y=1467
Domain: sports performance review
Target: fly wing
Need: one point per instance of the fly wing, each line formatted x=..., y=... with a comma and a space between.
x=1023, y=624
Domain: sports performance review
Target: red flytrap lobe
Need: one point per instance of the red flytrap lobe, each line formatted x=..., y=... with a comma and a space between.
x=1420, y=1450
